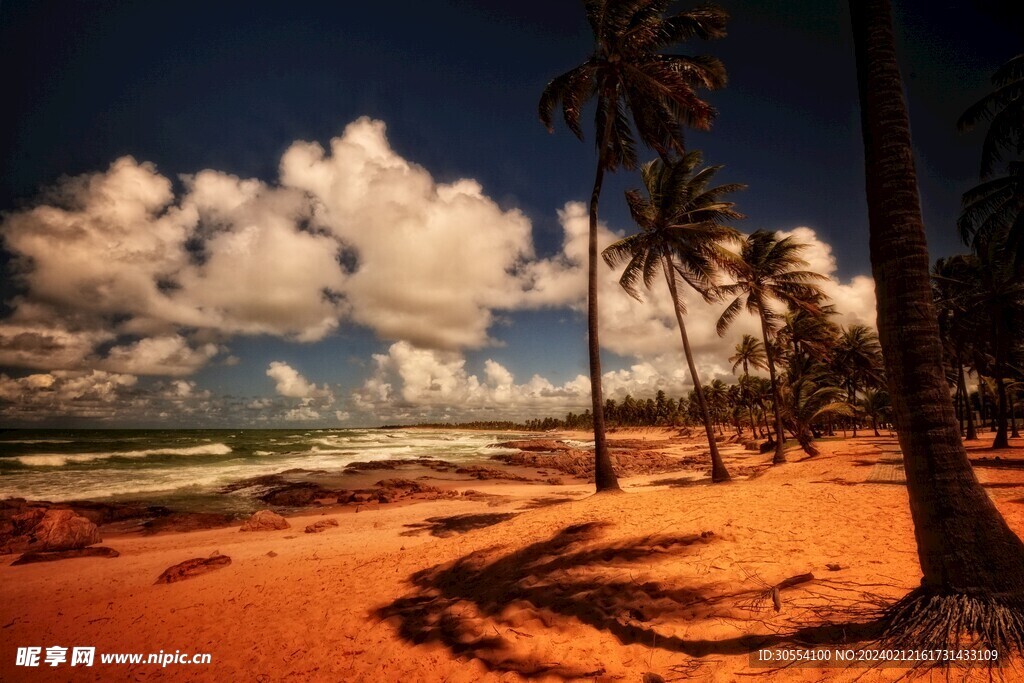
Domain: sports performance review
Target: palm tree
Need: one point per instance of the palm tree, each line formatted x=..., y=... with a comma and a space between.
x=956, y=327
x=749, y=352
x=858, y=360
x=808, y=399
x=973, y=563
x=876, y=405
x=766, y=271
x=1003, y=109
x=628, y=74
x=682, y=225
x=991, y=289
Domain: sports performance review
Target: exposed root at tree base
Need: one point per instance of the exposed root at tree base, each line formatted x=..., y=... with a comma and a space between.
x=924, y=620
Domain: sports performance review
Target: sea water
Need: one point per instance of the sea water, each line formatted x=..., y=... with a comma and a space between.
x=185, y=468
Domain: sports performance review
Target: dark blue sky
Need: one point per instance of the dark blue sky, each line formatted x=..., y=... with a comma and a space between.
x=230, y=85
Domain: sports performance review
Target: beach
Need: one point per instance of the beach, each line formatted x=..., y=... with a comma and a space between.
x=675, y=577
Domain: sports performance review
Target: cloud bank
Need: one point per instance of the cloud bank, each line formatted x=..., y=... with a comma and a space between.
x=122, y=278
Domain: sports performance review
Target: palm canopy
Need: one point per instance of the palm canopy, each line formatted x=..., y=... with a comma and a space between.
x=1003, y=109
x=995, y=209
x=682, y=222
x=768, y=269
x=749, y=353
x=858, y=356
x=629, y=73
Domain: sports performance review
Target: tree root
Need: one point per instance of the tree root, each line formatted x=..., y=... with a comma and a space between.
x=925, y=620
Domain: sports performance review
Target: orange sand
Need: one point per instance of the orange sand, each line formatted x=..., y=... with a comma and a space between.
x=635, y=589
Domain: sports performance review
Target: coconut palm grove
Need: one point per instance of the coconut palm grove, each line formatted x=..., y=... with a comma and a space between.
x=273, y=422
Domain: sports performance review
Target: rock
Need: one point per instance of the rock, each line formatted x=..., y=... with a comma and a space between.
x=52, y=555
x=833, y=567
x=483, y=473
x=322, y=525
x=296, y=495
x=63, y=530
x=194, y=567
x=187, y=521
x=265, y=520
x=543, y=445
x=751, y=446
x=271, y=553
x=555, y=481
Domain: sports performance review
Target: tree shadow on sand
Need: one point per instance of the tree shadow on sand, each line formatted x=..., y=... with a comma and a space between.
x=476, y=604
x=456, y=524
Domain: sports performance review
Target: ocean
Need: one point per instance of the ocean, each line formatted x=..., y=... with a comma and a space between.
x=183, y=469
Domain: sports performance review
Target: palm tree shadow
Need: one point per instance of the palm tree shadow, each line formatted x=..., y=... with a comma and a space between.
x=472, y=604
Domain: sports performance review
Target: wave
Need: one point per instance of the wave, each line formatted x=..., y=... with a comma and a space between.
x=36, y=441
x=61, y=459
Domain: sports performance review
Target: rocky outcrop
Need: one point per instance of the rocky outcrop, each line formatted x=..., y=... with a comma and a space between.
x=192, y=568
x=297, y=495
x=187, y=521
x=535, y=445
x=63, y=530
x=483, y=473
x=374, y=465
x=322, y=525
x=265, y=520
x=580, y=464
x=53, y=555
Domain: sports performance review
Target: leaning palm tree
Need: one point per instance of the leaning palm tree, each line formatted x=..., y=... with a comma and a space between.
x=767, y=270
x=628, y=74
x=973, y=563
x=682, y=224
x=807, y=400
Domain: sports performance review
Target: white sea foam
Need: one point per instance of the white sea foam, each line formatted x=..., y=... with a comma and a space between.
x=61, y=459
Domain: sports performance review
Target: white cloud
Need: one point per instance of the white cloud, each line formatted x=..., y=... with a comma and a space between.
x=170, y=355
x=433, y=259
x=288, y=382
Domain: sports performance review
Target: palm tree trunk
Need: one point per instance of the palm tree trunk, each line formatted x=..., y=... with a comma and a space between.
x=973, y=564
x=972, y=434
x=1002, y=439
x=604, y=474
x=718, y=470
x=1013, y=419
x=780, y=437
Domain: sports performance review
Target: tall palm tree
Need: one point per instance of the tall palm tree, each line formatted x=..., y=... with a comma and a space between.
x=973, y=563
x=957, y=327
x=749, y=352
x=628, y=74
x=682, y=222
x=1003, y=109
x=767, y=270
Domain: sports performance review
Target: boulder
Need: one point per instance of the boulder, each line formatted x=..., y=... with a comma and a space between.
x=322, y=525
x=63, y=530
x=265, y=520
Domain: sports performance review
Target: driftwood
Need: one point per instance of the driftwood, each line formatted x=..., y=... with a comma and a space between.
x=788, y=583
x=53, y=555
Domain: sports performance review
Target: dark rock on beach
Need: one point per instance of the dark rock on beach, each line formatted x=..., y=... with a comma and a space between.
x=265, y=520
x=192, y=568
x=53, y=555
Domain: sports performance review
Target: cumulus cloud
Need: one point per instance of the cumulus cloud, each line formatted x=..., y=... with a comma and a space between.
x=171, y=355
x=95, y=394
x=288, y=382
x=433, y=260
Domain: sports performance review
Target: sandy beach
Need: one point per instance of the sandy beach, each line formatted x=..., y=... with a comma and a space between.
x=536, y=580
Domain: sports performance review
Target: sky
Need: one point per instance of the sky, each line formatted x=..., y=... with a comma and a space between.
x=347, y=214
